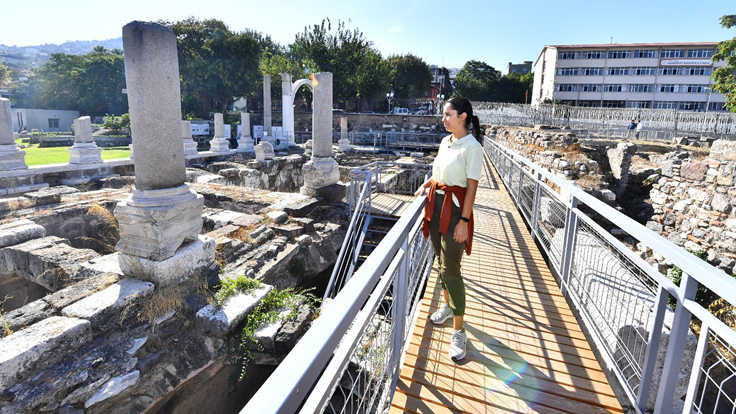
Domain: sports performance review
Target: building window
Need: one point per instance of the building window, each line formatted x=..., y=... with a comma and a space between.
x=668, y=87
x=617, y=71
x=643, y=71
x=525, y=70
x=672, y=53
x=591, y=71
x=638, y=104
x=715, y=106
x=697, y=70
x=567, y=71
x=646, y=53
x=614, y=87
x=594, y=54
x=641, y=87
x=670, y=70
x=694, y=88
x=619, y=54
x=692, y=106
x=590, y=87
x=664, y=105
x=614, y=104
x=589, y=103
x=566, y=87
x=699, y=53
x=568, y=55
x=53, y=124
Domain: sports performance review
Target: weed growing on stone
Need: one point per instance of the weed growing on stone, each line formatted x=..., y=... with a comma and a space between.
x=230, y=287
x=108, y=231
x=269, y=311
x=5, y=324
x=675, y=275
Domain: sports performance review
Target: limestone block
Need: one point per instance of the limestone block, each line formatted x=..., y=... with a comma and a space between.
x=266, y=335
x=723, y=150
x=189, y=258
x=302, y=208
x=654, y=226
x=720, y=203
x=12, y=158
x=20, y=231
x=223, y=218
x=278, y=216
x=50, y=195
x=319, y=172
x=78, y=291
x=109, y=263
x=104, y=306
x=697, y=195
x=658, y=197
x=27, y=315
x=725, y=174
x=49, y=262
x=608, y=195
x=154, y=223
x=264, y=151
x=248, y=220
x=219, y=322
x=113, y=387
x=14, y=203
x=211, y=179
x=41, y=345
x=292, y=330
x=252, y=177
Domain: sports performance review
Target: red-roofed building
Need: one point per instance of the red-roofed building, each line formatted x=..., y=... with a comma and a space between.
x=635, y=75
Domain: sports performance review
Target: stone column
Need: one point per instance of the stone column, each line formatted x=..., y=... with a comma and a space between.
x=162, y=213
x=246, y=141
x=344, y=140
x=267, y=106
x=11, y=157
x=287, y=113
x=190, y=145
x=219, y=144
x=321, y=170
x=84, y=150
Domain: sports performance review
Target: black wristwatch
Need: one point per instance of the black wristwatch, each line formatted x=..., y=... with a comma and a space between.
x=465, y=219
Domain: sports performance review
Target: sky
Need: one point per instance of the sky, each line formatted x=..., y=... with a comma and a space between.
x=443, y=33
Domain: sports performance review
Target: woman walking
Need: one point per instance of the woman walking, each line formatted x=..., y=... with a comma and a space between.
x=448, y=215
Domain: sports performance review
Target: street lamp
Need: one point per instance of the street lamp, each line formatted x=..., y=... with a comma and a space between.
x=389, y=96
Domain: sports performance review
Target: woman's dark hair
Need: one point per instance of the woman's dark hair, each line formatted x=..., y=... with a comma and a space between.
x=472, y=123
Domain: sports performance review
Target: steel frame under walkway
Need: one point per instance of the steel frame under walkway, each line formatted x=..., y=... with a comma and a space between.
x=526, y=352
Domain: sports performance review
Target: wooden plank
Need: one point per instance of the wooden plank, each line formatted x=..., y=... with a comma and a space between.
x=390, y=205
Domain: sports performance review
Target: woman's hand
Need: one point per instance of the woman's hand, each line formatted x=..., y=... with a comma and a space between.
x=422, y=188
x=461, y=232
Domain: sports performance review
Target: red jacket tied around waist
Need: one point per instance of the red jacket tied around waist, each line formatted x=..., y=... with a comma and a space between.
x=446, y=212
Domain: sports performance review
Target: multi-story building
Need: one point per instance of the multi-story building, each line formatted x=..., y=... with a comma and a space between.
x=521, y=68
x=636, y=75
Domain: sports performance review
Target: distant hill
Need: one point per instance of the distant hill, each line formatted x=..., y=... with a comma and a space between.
x=30, y=56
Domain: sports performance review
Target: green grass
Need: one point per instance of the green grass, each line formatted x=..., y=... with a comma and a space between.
x=60, y=155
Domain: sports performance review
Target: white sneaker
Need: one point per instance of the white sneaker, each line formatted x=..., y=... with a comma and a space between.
x=442, y=314
x=457, y=345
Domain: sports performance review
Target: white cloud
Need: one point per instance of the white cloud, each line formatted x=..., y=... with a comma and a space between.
x=395, y=29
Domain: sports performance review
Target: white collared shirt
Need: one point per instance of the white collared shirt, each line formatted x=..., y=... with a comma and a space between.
x=457, y=161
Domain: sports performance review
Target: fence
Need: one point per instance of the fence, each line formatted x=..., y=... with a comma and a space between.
x=622, y=299
x=350, y=359
x=584, y=118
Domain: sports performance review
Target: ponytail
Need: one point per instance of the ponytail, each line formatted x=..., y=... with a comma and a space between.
x=476, y=128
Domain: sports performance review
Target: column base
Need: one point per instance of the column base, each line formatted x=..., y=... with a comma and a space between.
x=154, y=223
x=190, y=147
x=189, y=258
x=220, y=146
x=319, y=172
x=12, y=158
x=345, y=145
x=86, y=153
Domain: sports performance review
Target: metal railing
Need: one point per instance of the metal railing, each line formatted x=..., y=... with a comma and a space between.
x=622, y=299
x=365, y=181
x=350, y=359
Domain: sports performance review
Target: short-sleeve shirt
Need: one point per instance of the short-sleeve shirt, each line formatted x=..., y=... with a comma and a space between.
x=457, y=161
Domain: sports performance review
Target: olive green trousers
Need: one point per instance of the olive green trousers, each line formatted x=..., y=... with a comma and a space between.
x=449, y=256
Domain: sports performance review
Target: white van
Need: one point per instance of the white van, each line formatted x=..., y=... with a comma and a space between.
x=400, y=111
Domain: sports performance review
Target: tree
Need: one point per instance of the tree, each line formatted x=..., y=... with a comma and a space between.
x=410, y=76
x=91, y=84
x=513, y=87
x=725, y=77
x=216, y=65
x=4, y=74
x=478, y=81
x=347, y=54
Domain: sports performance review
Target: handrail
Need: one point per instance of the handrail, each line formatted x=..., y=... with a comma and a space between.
x=619, y=296
x=289, y=385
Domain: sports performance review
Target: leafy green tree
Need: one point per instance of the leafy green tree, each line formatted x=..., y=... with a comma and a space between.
x=91, y=84
x=4, y=74
x=512, y=87
x=347, y=54
x=216, y=65
x=725, y=76
x=478, y=81
x=410, y=76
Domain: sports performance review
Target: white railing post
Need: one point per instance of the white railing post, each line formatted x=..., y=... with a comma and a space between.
x=535, y=202
x=650, y=355
x=399, y=308
x=568, y=245
x=676, y=347
x=521, y=182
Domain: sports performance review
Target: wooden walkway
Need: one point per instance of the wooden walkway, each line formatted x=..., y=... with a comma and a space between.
x=390, y=205
x=526, y=352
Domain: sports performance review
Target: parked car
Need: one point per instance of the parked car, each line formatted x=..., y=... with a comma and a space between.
x=421, y=111
x=400, y=111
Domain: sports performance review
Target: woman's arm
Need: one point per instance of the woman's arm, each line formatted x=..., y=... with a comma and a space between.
x=461, y=230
